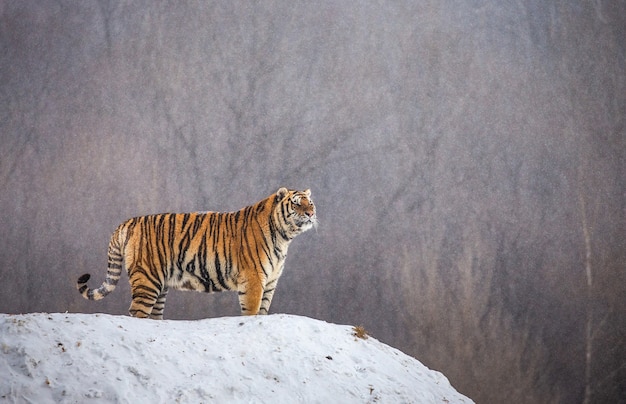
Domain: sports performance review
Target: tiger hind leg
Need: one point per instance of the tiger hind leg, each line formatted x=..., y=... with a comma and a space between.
x=144, y=294
x=141, y=307
x=159, y=306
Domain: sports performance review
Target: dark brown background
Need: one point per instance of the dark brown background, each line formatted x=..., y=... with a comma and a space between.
x=467, y=159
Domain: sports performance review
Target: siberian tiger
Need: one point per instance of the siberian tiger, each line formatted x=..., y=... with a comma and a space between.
x=207, y=252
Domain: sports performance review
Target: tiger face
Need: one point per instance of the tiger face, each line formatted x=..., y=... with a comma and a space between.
x=298, y=210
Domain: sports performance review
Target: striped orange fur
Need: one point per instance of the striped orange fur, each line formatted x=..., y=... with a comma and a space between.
x=243, y=251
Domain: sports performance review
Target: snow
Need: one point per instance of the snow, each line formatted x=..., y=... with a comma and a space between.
x=98, y=358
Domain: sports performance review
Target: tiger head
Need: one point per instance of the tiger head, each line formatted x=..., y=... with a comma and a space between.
x=297, y=210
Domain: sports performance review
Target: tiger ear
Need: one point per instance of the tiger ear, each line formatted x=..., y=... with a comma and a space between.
x=281, y=193
x=307, y=192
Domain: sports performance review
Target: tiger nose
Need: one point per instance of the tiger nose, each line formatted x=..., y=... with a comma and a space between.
x=309, y=213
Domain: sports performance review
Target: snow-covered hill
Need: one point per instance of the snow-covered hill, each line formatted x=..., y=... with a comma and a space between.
x=83, y=358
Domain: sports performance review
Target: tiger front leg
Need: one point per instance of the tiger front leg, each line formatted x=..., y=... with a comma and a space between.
x=250, y=295
x=268, y=294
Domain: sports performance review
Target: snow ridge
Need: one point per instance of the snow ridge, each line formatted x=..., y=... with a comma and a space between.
x=52, y=358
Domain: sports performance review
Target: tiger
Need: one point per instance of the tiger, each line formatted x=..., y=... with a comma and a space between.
x=241, y=251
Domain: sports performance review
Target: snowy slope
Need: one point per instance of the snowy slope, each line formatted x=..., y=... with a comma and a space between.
x=84, y=358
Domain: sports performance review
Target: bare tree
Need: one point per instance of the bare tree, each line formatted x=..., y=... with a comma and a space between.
x=596, y=319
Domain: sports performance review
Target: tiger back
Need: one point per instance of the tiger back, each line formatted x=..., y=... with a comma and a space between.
x=242, y=251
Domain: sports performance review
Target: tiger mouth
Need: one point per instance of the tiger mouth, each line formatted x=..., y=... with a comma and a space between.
x=307, y=220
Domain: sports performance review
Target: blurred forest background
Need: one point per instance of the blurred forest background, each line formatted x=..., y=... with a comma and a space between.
x=468, y=161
